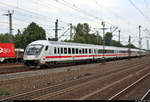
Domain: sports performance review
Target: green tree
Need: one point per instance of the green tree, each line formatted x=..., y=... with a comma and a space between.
x=31, y=33
x=19, y=40
x=130, y=45
x=7, y=38
x=116, y=43
x=108, y=39
x=83, y=35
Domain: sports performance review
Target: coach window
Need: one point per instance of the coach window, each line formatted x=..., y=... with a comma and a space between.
x=83, y=51
x=65, y=50
x=99, y=51
x=112, y=51
x=54, y=50
x=89, y=51
x=77, y=51
x=86, y=51
x=58, y=50
x=46, y=48
x=104, y=51
x=61, y=50
x=95, y=51
x=73, y=51
x=69, y=50
x=92, y=51
x=107, y=51
x=80, y=51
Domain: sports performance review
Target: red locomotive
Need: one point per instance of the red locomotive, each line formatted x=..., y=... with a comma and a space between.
x=8, y=53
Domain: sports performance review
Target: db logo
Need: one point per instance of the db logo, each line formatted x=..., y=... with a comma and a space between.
x=4, y=50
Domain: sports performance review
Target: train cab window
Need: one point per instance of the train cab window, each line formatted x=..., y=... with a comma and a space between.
x=69, y=50
x=46, y=48
x=65, y=50
x=77, y=51
x=54, y=50
x=58, y=51
x=61, y=50
x=73, y=51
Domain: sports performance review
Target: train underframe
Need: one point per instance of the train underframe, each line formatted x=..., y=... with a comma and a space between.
x=12, y=60
x=36, y=63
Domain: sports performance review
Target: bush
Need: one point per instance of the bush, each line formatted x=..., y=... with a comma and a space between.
x=3, y=92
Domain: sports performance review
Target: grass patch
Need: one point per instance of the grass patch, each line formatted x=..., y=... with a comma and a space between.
x=4, y=92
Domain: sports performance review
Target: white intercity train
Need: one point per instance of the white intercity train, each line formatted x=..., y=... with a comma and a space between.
x=43, y=52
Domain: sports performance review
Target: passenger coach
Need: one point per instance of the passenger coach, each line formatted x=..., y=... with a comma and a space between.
x=43, y=52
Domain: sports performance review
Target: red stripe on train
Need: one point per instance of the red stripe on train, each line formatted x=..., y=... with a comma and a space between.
x=84, y=56
x=58, y=56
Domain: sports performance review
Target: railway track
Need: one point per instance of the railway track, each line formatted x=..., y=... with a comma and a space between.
x=146, y=95
x=15, y=68
x=68, y=86
x=116, y=96
x=5, y=64
x=98, y=93
x=69, y=90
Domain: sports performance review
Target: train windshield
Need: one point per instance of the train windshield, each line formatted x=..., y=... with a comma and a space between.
x=34, y=49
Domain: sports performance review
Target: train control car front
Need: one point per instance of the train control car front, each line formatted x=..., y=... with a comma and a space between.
x=33, y=53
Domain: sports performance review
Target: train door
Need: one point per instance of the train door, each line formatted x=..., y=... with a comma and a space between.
x=116, y=53
x=59, y=53
x=93, y=54
x=46, y=53
x=69, y=53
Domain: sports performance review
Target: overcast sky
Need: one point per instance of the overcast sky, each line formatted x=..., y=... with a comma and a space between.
x=127, y=15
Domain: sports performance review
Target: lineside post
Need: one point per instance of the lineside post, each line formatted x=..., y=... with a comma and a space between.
x=129, y=50
x=103, y=24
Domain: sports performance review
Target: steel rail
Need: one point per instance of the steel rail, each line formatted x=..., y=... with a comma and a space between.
x=46, y=88
x=145, y=95
x=97, y=91
x=77, y=86
x=128, y=87
x=74, y=87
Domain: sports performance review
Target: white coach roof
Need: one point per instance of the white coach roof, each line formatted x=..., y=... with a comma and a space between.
x=45, y=42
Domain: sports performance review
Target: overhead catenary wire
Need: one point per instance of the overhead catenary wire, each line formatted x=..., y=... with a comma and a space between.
x=140, y=11
x=31, y=15
x=109, y=10
x=146, y=3
x=77, y=9
x=83, y=12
